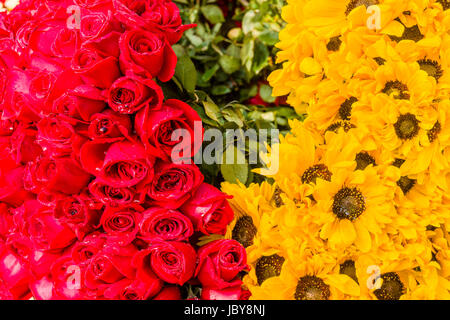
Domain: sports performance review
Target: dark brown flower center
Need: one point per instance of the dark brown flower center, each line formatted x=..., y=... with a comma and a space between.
x=433, y=132
x=357, y=3
x=244, y=231
x=334, y=44
x=346, y=125
x=392, y=287
x=317, y=171
x=412, y=33
x=348, y=268
x=363, y=159
x=380, y=61
x=406, y=184
x=312, y=288
x=276, y=198
x=397, y=90
x=398, y=162
x=431, y=67
x=445, y=4
x=268, y=267
x=348, y=204
x=345, y=111
x=407, y=126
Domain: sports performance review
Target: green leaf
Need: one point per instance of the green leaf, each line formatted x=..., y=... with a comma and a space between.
x=232, y=172
x=220, y=90
x=212, y=110
x=213, y=13
x=266, y=94
x=269, y=37
x=247, y=53
x=210, y=73
x=261, y=59
x=229, y=64
x=186, y=73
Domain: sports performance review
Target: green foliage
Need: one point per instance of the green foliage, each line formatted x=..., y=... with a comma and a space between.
x=222, y=69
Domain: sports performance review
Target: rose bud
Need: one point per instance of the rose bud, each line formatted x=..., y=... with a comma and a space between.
x=80, y=103
x=174, y=184
x=109, y=125
x=173, y=262
x=232, y=293
x=78, y=212
x=121, y=223
x=14, y=272
x=110, y=195
x=129, y=94
x=110, y=265
x=47, y=232
x=220, y=262
x=95, y=70
x=53, y=175
x=156, y=127
x=169, y=293
x=147, y=54
x=118, y=164
x=209, y=210
x=160, y=14
x=83, y=251
x=164, y=224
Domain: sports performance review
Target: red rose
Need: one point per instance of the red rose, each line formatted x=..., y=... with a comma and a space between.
x=169, y=293
x=163, y=224
x=57, y=137
x=156, y=127
x=109, y=266
x=129, y=94
x=159, y=14
x=80, y=213
x=121, y=223
x=147, y=54
x=67, y=280
x=12, y=189
x=94, y=69
x=47, y=232
x=109, y=125
x=14, y=273
x=173, y=262
x=6, y=221
x=220, y=262
x=117, y=164
x=209, y=210
x=23, y=143
x=233, y=293
x=80, y=103
x=142, y=288
x=53, y=38
x=111, y=195
x=95, y=25
x=52, y=175
x=83, y=251
x=174, y=184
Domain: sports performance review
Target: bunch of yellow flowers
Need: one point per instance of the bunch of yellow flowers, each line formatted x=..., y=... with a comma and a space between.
x=360, y=205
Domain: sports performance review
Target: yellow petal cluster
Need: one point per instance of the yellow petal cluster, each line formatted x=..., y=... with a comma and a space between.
x=360, y=205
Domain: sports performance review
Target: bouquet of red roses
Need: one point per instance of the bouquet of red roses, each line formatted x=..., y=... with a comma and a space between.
x=92, y=203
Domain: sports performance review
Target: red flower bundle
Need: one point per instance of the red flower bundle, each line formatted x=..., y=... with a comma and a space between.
x=91, y=205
